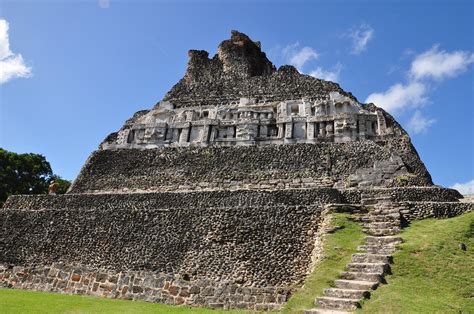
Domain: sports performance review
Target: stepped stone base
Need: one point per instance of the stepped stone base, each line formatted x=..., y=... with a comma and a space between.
x=194, y=239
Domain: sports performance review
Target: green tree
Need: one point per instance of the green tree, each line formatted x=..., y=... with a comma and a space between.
x=26, y=174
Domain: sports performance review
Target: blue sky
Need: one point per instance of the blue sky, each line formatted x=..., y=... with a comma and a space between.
x=72, y=72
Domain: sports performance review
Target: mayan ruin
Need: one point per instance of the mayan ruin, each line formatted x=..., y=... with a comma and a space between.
x=219, y=195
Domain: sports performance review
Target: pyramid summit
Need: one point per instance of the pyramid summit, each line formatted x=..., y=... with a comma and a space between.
x=241, y=70
x=219, y=194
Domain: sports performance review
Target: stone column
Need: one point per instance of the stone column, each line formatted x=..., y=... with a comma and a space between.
x=231, y=132
x=184, y=137
x=213, y=133
x=381, y=125
x=362, y=127
x=280, y=130
x=205, y=133
x=322, y=129
x=175, y=137
x=263, y=131
x=289, y=130
x=310, y=131
x=329, y=129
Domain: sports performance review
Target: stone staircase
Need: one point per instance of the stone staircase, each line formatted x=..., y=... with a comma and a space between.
x=367, y=268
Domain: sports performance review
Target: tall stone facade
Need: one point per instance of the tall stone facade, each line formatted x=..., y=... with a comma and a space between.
x=335, y=119
x=215, y=196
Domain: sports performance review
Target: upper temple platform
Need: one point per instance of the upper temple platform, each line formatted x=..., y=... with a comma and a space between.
x=236, y=122
x=336, y=118
x=239, y=98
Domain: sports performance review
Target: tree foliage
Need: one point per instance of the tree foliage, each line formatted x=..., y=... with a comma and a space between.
x=26, y=174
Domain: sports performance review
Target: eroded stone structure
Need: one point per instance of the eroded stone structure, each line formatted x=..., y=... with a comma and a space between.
x=336, y=118
x=215, y=196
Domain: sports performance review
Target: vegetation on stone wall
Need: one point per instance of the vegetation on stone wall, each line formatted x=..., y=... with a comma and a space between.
x=338, y=249
x=26, y=174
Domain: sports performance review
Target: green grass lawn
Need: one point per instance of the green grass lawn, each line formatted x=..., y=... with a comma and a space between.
x=430, y=275
x=21, y=301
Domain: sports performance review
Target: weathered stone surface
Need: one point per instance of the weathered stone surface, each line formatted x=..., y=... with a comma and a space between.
x=164, y=201
x=430, y=209
x=216, y=294
x=252, y=167
x=269, y=246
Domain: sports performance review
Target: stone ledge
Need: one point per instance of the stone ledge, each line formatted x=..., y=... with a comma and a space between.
x=423, y=210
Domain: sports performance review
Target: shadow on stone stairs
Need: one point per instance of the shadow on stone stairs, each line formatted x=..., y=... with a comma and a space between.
x=381, y=222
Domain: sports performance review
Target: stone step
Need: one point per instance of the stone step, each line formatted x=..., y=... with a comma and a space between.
x=380, y=218
x=338, y=303
x=372, y=198
x=346, y=293
x=381, y=224
x=372, y=195
x=362, y=276
x=387, y=207
x=376, y=202
x=379, y=268
x=369, y=226
x=384, y=211
x=383, y=232
x=371, y=258
x=373, y=240
x=356, y=284
x=376, y=249
x=324, y=311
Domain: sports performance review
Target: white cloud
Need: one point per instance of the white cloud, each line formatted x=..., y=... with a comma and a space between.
x=433, y=64
x=104, y=4
x=11, y=65
x=464, y=188
x=299, y=56
x=5, y=51
x=327, y=75
x=361, y=37
x=420, y=124
x=400, y=96
x=438, y=65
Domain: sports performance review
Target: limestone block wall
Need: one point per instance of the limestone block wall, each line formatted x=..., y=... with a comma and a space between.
x=142, y=285
x=169, y=200
x=403, y=194
x=237, y=249
x=423, y=210
x=253, y=167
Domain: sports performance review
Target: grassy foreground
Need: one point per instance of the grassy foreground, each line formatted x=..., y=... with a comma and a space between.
x=431, y=274
x=21, y=301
